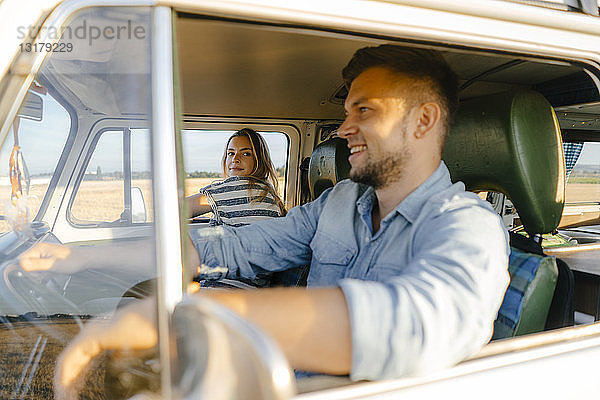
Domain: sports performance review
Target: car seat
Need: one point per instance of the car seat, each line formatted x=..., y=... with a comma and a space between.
x=328, y=165
x=507, y=142
x=510, y=142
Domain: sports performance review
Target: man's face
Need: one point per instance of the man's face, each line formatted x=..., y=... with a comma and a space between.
x=377, y=126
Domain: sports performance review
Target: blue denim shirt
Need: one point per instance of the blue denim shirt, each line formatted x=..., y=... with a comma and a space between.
x=422, y=292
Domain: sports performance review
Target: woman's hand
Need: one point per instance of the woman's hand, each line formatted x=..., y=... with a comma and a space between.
x=197, y=204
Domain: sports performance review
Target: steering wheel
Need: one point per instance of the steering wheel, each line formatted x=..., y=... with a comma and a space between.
x=42, y=293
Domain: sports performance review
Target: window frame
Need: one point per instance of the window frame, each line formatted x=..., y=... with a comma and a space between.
x=127, y=178
x=68, y=230
x=558, y=350
x=64, y=155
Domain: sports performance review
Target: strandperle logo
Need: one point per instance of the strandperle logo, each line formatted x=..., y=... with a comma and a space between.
x=84, y=32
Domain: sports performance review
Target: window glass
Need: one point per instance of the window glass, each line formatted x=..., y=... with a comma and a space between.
x=100, y=194
x=119, y=164
x=100, y=77
x=40, y=142
x=582, y=203
x=141, y=174
x=583, y=172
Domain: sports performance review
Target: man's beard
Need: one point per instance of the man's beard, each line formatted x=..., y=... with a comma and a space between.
x=389, y=168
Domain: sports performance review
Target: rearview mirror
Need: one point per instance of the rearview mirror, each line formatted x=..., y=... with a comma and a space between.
x=138, y=206
x=32, y=107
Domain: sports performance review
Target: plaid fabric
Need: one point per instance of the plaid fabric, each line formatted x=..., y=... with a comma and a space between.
x=522, y=268
x=572, y=151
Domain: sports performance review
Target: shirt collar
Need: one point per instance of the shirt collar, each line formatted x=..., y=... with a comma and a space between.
x=410, y=207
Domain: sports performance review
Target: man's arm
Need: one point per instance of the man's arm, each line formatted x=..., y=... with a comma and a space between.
x=67, y=259
x=310, y=326
x=439, y=308
x=271, y=245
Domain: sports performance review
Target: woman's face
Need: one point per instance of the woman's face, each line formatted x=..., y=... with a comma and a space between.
x=239, y=158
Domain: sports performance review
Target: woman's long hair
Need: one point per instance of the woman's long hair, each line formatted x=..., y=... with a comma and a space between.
x=263, y=166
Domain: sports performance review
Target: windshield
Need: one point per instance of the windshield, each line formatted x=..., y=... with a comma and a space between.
x=41, y=143
x=76, y=175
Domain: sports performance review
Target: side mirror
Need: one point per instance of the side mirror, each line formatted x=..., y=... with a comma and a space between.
x=222, y=356
x=138, y=206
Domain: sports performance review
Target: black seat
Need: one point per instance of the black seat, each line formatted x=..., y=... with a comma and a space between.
x=328, y=165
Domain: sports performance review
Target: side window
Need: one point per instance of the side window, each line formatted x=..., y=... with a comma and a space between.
x=582, y=164
x=582, y=198
x=35, y=144
x=203, y=153
x=579, y=225
x=115, y=187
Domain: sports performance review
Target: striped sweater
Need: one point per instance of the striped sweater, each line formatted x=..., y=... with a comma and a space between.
x=231, y=201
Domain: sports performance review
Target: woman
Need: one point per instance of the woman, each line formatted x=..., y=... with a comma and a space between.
x=249, y=192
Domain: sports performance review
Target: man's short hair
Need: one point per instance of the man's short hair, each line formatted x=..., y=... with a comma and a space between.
x=426, y=66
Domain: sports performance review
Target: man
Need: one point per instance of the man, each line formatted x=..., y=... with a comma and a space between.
x=407, y=269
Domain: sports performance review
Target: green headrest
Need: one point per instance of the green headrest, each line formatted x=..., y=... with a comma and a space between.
x=511, y=143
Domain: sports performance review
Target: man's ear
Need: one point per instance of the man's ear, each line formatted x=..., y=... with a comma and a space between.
x=428, y=116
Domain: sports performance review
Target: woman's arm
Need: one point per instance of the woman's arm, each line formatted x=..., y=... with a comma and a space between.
x=197, y=204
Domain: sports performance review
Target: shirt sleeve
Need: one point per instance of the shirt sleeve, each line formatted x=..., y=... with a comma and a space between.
x=441, y=308
x=274, y=244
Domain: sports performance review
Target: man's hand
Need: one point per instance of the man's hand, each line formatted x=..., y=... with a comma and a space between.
x=111, y=256
x=46, y=256
x=311, y=327
x=131, y=328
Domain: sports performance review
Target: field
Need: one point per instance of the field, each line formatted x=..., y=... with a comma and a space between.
x=103, y=200
x=28, y=359
x=97, y=200
x=579, y=192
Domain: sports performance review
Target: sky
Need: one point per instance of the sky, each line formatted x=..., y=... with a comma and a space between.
x=41, y=143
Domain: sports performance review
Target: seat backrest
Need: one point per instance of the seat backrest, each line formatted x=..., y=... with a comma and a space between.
x=527, y=299
x=328, y=165
x=510, y=142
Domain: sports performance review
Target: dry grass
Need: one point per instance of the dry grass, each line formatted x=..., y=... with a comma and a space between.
x=578, y=192
x=100, y=200
x=17, y=346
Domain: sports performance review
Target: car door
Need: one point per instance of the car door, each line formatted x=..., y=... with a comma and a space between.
x=73, y=159
x=496, y=48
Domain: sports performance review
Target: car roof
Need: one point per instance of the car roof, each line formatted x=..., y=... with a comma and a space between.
x=284, y=65
x=15, y=19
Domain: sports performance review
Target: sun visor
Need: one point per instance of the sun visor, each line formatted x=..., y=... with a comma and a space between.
x=95, y=43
